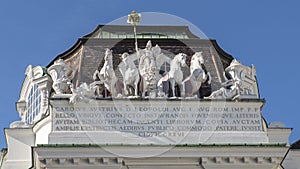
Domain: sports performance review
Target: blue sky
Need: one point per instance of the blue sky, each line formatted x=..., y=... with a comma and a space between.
x=264, y=33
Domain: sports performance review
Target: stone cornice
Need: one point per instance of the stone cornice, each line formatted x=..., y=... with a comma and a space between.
x=205, y=157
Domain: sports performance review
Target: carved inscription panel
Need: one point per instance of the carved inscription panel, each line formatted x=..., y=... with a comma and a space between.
x=158, y=118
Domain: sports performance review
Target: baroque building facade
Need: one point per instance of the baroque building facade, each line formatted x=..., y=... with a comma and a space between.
x=172, y=100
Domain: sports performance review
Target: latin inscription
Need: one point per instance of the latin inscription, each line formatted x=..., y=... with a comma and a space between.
x=149, y=121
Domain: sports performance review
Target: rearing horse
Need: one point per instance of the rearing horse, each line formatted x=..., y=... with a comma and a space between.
x=175, y=75
x=130, y=74
x=198, y=74
x=107, y=73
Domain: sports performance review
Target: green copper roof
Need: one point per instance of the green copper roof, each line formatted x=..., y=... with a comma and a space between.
x=166, y=145
x=143, y=32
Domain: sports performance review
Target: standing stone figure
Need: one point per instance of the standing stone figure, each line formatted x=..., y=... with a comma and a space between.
x=147, y=68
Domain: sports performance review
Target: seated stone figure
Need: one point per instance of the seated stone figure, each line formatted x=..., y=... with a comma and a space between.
x=240, y=83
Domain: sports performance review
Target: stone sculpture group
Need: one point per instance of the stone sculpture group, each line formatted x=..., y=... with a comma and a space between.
x=146, y=80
